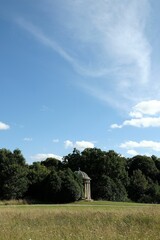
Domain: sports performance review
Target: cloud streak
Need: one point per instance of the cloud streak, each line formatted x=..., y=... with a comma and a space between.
x=49, y=42
x=107, y=44
x=28, y=139
x=116, y=29
x=44, y=39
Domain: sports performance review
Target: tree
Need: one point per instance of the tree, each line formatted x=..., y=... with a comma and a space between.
x=71, y=190
x=138, y=186
x=16, y=182
x=145, y=164
x=36, y=176
x=109, y=189
x=13, y=174
x=73, y=160
x=52, y=164
x=97, y=163
x=18, y=158
x=52, y=187
x=152, y=194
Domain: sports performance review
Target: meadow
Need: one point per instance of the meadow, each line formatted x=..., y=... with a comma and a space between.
x=90, y=221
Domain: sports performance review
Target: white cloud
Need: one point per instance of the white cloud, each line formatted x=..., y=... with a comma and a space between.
x=78, y=144
x=139, y=122
x=44, y=156
x=28, y=139
x=83, y=144
x=142, y=144
x=144, y=115
x=4, y=126
x=116, y=126
x=68, y=144
x=132, y=152
x=135, y=114
x=130, y=144
x=151, y=107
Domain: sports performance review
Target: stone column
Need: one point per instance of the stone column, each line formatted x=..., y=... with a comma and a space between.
x=88, y=191
x=85, y=189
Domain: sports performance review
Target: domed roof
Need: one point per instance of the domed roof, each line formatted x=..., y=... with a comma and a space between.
x=83, y=175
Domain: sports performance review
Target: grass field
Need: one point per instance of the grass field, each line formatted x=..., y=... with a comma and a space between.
x=95, y=220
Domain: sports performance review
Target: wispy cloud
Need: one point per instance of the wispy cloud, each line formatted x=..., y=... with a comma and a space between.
x=28, y=139
x=4, y=126
x=56, y=140
x=48, y=41
x=43, y=38
x=45, y=108
x=107, y=44
x=122, y=52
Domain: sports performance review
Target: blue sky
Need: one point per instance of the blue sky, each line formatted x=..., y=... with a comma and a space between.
x=80, y=74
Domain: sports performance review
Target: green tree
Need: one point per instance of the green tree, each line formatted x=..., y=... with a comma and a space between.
x=153, y=193
x=138, y=186
x=18, y=158
x=73, y=160
x=145, y=164
x=13, y=174
x=97, y=163
x=16, y=183
x=111, y=190
x=36, y=176
x=71, y=190
x=52, y=187
x=52, y=164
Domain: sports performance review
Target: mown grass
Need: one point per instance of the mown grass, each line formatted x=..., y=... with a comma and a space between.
x=76, y=222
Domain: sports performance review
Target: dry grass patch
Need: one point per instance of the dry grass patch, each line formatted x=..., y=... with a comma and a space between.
x=77, y=223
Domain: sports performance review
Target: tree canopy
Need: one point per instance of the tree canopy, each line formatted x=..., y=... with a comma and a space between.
x=113, y=177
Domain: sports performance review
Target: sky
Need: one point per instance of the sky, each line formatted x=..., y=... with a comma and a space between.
x=79, y=74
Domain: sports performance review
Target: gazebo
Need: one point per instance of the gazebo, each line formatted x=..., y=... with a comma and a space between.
x=86, y=184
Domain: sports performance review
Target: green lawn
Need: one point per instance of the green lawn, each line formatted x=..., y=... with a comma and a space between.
x=83, y=220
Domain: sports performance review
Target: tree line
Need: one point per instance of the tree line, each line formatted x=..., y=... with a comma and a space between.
x=113, y=177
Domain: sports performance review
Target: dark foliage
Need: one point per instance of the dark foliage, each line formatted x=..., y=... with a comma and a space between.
x=13, y=175
x=106, y=169
x=113, y=177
